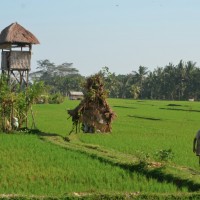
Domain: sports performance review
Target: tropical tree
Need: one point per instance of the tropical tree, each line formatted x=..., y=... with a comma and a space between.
x=60, y=78
x=140, y=77
x=111, y=82
x=180, y=78
x=125, y=82
x=190, y=70
x=135, y=90
x=169, y=74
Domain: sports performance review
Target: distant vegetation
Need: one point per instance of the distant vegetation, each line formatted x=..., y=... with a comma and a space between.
x=172, y=82
x=58, y=79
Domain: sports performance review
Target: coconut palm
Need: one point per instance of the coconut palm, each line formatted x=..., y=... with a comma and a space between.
x=140, y=77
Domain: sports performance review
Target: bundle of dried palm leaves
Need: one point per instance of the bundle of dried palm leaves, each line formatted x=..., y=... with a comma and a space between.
x=93, y=112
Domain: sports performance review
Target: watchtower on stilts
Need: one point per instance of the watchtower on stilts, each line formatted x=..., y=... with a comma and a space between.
x=16, y=44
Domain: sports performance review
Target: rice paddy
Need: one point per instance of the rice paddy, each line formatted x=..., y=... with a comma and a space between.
x=30, y=165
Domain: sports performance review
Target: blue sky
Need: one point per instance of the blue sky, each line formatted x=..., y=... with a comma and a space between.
x=119, y=34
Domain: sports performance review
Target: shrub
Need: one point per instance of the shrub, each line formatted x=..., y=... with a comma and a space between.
x=56, y=98
x=15, y=103
x=42, y=99
x=165, y=155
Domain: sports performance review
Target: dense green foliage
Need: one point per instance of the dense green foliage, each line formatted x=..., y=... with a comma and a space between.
x=56, y=98
x=171, y=82
x=59, y=78
x=16, y=103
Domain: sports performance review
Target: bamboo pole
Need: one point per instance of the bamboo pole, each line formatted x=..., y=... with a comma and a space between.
x=199, y=161
x=26, y=99
x=33, y=124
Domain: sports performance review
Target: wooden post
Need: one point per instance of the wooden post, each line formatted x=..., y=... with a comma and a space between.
x=33, y=124
x=199, y=161
x=26, y=84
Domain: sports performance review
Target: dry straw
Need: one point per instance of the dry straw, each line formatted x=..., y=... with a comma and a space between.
x=93, y=112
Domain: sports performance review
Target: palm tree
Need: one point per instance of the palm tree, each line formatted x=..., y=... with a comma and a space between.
x=140, y=77
x=125, y=82
x=180, y=73
x=135, y=90
x=190, y=69
x=169, y=75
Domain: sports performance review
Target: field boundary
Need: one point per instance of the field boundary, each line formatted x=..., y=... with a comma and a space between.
x=107, y=196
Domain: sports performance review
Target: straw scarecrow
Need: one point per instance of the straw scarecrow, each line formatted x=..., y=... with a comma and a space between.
x=93, y=112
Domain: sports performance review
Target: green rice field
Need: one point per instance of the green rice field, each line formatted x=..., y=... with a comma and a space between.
x=31, y=165
x=146, y=126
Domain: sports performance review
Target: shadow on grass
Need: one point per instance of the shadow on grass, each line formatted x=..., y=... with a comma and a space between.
x=171, y=104
x=156, y=174
x=124, y=107
x=175, y=109
x=141, y=168
x=147, y=118
x=37, y=132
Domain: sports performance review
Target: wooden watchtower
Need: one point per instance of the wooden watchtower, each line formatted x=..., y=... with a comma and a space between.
x=16, y=44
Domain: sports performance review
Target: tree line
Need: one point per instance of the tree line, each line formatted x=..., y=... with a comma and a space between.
x=171, y=82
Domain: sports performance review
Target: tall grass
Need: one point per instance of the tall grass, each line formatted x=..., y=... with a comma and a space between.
x=29, y=165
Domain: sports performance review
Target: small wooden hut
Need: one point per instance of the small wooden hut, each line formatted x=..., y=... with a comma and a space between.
x=73, y=95
x=93, y=112
x=16, y=35
x=16, y=44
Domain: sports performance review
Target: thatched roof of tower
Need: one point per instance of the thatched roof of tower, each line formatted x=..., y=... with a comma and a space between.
x=16, y=34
